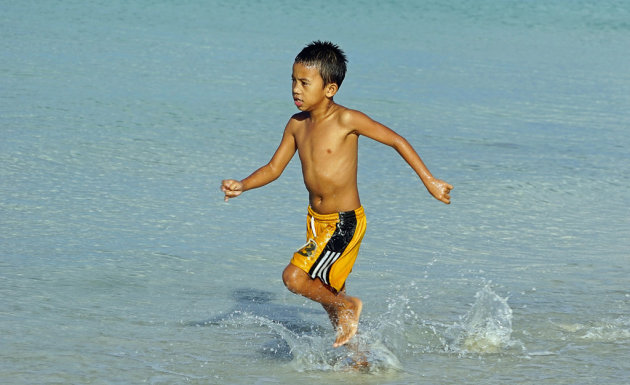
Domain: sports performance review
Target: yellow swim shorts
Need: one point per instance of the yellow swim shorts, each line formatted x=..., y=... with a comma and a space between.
x=332, y=245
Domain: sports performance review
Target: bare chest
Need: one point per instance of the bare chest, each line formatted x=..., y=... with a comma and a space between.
x=324, y=142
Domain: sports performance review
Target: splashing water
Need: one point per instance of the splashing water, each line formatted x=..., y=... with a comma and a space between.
x=279, y=333
x=311, y=350
x=486, y=328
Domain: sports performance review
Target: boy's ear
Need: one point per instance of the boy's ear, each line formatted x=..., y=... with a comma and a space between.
x=331, y=89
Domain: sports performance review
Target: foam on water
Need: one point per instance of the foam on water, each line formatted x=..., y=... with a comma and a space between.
x=615, y=330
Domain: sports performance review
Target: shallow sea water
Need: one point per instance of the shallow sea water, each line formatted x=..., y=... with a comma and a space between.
x=120, y=263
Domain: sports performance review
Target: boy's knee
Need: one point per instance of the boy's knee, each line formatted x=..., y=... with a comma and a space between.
x=292, y=276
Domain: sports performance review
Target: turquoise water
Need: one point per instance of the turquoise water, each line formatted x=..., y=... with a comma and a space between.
x=120, y=263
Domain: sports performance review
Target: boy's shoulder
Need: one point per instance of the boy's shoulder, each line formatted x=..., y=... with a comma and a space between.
x=347, y=116
x=296, y=122
x=352, y=120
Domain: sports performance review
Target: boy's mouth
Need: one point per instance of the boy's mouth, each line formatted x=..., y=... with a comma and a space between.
x=298, y=102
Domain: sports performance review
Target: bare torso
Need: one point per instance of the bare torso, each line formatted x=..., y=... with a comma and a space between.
x=328, y=152
x=327, y=144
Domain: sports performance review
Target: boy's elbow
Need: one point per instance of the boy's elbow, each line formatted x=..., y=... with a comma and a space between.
x=273, y=172
x=400, y=144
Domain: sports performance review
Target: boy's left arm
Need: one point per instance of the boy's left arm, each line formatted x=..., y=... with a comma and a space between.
x=364, y=125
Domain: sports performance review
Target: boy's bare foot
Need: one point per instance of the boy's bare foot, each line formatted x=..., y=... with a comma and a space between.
x=348, y=322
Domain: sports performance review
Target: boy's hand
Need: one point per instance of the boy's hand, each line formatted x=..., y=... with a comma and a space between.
x=232, y=188
x=440, y=190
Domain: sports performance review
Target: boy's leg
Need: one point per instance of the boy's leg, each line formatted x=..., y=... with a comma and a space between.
x=332, y=310
x=344, y=311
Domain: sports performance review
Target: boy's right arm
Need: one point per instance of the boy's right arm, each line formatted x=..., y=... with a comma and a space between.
x=267, y=173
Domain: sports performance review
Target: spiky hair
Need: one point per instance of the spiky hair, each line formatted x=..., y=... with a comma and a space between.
x=329, y=59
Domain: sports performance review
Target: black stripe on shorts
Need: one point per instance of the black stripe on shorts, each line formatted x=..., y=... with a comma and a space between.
x=335, y=247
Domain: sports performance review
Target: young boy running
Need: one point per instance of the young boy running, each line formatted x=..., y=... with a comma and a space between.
x=325, y=135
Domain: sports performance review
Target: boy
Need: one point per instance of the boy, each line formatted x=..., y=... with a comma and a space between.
x=325, y=135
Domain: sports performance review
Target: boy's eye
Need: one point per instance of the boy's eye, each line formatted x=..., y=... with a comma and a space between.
x=304, y=83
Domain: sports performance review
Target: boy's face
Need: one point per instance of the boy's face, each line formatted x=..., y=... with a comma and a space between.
x=308, y=87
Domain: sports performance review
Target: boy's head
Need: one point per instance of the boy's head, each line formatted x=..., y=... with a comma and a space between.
x=328, y=58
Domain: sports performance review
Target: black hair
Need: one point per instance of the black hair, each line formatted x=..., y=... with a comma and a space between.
x=328, y=58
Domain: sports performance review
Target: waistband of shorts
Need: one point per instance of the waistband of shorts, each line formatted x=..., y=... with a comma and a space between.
x=334, y=217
